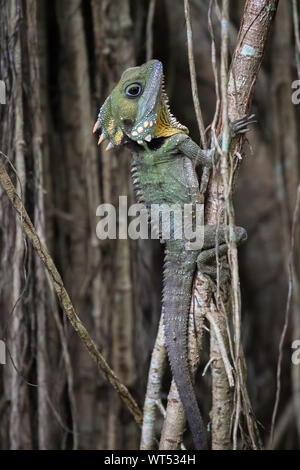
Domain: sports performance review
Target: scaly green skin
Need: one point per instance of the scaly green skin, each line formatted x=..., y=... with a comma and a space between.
x=163, y=170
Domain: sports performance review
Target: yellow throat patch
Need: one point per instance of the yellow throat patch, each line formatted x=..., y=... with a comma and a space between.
x=164, y=127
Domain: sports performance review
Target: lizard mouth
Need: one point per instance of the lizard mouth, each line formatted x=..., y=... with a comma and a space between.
x=154, y=144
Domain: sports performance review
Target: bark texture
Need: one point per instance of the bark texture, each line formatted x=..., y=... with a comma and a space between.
x=59, y=60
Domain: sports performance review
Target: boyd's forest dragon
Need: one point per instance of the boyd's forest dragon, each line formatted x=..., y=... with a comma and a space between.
x=136, y=114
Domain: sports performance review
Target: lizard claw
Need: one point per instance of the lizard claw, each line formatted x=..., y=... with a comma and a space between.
x=110, y=146
x=96, y=126
x=101, y=138
x=240, y=126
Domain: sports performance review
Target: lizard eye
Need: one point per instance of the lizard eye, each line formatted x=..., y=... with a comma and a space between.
x=134, y=90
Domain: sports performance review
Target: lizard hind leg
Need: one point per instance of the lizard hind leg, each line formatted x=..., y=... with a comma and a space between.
x=223, y=233
x=206, y=263
x=206, y=260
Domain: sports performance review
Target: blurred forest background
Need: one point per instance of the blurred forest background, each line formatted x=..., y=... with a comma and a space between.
x=59, y=60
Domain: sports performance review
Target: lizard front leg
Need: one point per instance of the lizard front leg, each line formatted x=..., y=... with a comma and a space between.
x=210, y=156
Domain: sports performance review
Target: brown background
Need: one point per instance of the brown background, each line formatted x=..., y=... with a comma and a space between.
x=59, y=61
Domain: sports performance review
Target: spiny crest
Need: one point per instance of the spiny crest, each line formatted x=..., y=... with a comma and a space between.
x=167, y=124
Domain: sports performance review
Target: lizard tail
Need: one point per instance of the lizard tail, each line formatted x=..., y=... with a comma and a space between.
x=179, y=271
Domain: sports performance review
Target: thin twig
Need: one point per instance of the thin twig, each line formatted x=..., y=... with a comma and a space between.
x=227, y=180
x=149, y=30
x=155, y=376
x=193, y=75
x=296, y=34
x=222, y=349
x=68, y=367
x=215, y=70
x=287, y=311
x=282, y=425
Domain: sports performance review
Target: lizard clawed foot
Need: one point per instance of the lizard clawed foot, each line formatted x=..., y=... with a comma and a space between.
x=206, y=261
x=212, y=273
x=206, y=264
x=240, y=126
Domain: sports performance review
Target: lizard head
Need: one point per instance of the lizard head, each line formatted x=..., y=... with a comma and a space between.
x=137, y=109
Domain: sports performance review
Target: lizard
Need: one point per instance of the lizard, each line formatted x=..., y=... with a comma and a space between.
x=164, y=159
